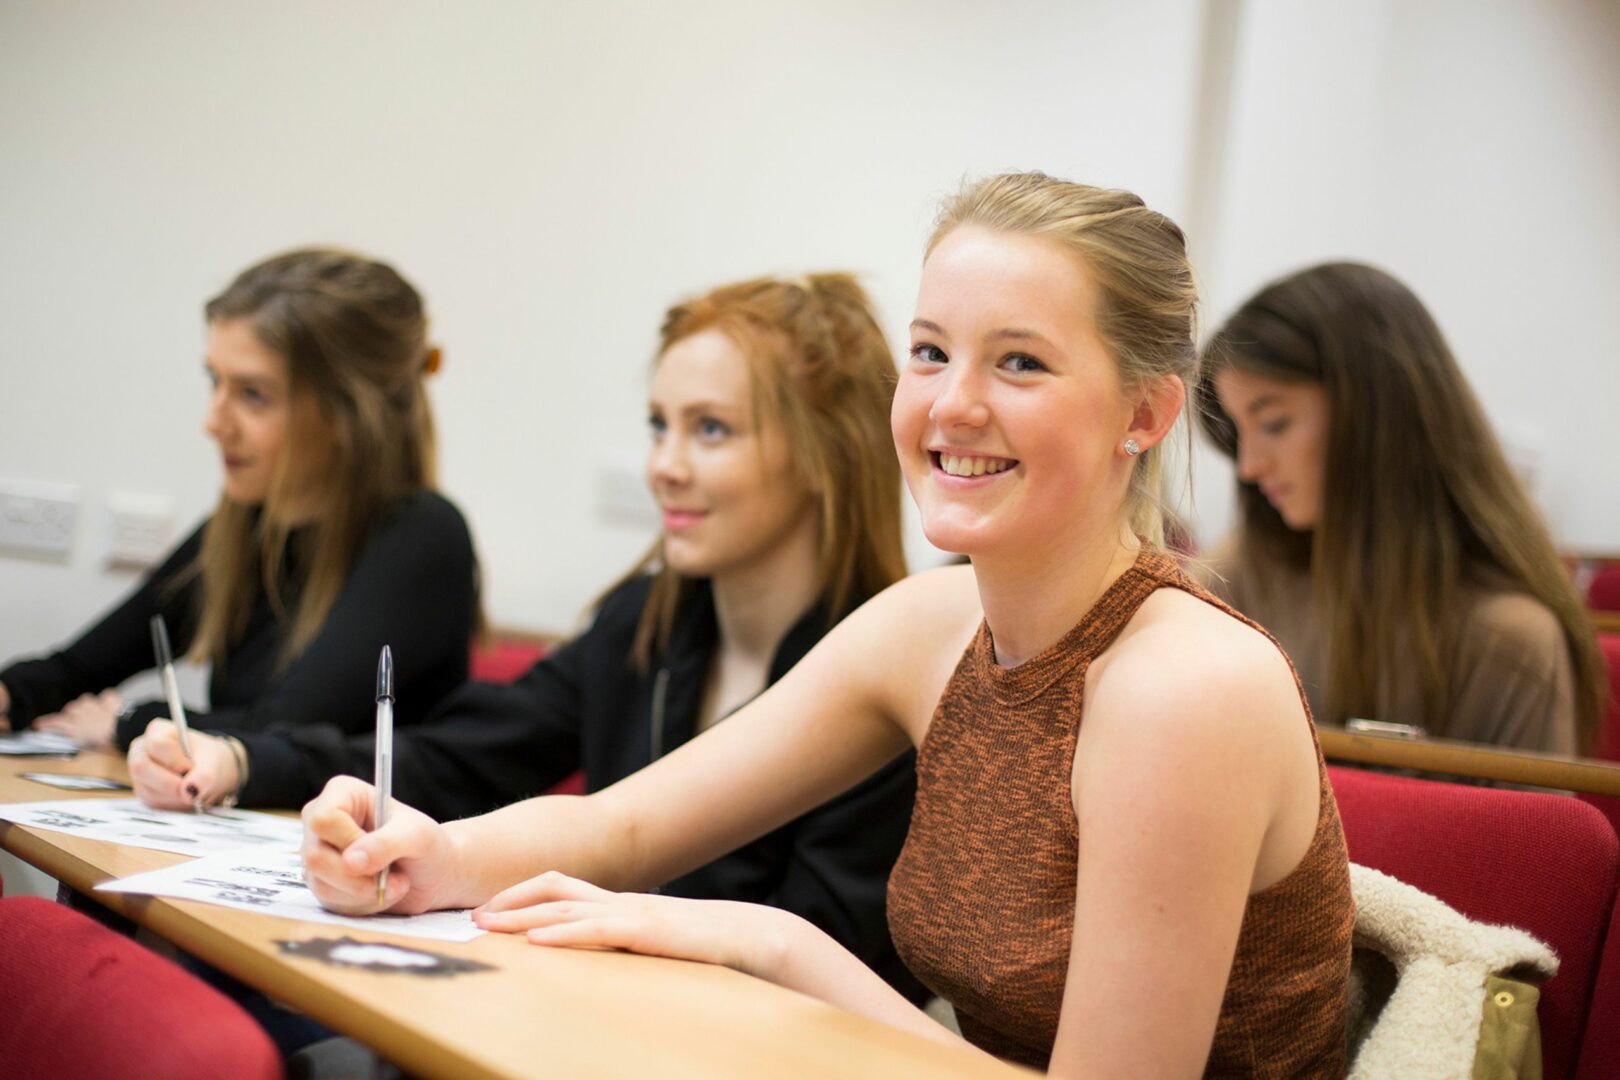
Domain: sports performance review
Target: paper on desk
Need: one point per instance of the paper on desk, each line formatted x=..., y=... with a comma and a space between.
x=272, y=883
x=129, y=821
x=23, y=743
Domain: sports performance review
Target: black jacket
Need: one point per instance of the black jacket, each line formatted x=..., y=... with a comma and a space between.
x=414, y=585
x=585, y=707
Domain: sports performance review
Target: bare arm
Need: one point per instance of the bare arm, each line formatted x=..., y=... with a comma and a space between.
x=1191, y=795
x=834, y=719
x=1194, y=787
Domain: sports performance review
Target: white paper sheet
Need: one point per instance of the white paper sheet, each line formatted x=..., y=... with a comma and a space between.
x=272, y=883
x=129, y=821
x=28, y=743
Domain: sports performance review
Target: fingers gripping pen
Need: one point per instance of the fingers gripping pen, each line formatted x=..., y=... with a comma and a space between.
x=171, y=690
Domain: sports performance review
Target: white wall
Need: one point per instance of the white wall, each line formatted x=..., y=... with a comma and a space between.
x=1474, y=151
x=553, y=177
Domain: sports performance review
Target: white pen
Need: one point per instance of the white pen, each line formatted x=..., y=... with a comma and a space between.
x=171, y=690
x=382, y=771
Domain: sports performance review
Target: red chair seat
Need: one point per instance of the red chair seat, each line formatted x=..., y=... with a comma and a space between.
x=77, y=999
x=1547, y=864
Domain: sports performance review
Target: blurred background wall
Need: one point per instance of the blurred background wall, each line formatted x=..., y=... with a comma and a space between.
x=552, y=176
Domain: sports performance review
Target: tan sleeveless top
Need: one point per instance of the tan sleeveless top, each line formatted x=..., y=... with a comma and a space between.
x=981, y=902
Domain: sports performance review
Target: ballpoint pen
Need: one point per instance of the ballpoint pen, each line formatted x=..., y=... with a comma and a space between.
x=383, y=763
x=171, y=690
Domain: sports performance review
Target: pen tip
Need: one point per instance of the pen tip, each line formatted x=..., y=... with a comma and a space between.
x=385, y=674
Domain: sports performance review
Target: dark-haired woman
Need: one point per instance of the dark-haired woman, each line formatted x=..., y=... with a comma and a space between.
x=328, y=539
x=1383, y=538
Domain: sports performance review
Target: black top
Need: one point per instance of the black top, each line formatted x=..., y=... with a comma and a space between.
x=413, y=586
x=585, y=706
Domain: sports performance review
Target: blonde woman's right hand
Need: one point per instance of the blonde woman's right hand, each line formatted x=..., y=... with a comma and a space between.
x=342, y=853
x=166, y=779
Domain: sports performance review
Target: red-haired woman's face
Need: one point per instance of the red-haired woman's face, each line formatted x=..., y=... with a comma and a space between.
x=248, y=408
x=1282, y=430
x=1009, y=418
x=724, y=478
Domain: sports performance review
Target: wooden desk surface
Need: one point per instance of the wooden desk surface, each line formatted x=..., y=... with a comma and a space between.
x=551, y=1012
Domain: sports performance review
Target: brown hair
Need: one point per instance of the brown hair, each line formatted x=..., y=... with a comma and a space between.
x=1418, y=498
x=354, y=335
x=821, y=368
x=1148, y=310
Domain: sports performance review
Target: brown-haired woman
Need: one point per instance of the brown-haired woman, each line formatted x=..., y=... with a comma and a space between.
x=1158, y=890
x=771, y=463
x=328, y=540
x=1383, y=537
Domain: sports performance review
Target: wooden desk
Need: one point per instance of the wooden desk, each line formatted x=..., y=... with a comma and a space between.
x=543, y=1012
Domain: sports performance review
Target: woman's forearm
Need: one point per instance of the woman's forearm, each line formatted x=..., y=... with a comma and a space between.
x=806, y=959
x=576, y=834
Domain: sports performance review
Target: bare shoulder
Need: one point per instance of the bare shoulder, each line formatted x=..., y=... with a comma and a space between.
x=907, y=640
x=1195, y=715
x=1196, y=675
x=943, y=601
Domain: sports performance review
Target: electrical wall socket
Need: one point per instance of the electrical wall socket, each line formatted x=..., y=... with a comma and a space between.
x=38, y=520
x=140, y=529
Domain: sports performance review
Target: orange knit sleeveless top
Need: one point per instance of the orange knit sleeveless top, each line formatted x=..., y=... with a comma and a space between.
x=981, y=902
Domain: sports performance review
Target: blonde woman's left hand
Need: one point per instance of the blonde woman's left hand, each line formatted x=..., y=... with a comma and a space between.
x=555, y=909
x=89, y=719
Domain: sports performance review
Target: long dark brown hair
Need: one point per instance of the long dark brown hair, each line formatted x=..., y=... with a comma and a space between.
x=1419, y=502
x=821, y=368
x=360, y=436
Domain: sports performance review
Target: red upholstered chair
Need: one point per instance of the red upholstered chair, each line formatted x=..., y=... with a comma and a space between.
x=1603, y=591
x=77, y=999
x=1547, y=864
x=1608, y=741
x=1600, y=1049
x=504, y=660
x=1608, y=744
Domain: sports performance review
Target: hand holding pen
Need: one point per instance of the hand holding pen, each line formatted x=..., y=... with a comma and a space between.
x=383, y=762
x=171, y=690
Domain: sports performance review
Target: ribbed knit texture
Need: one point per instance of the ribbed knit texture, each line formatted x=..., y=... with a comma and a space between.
x=981, y=903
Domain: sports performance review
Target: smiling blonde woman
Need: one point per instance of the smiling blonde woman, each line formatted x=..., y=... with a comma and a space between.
x=1125, y=858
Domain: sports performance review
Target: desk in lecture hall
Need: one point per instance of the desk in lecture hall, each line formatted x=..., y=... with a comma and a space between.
x=543, y=1012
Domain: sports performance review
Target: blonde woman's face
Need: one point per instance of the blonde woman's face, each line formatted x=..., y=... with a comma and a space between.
x=248, y=408
x=725, y=482
x=1281, y=440
x=1009, y=418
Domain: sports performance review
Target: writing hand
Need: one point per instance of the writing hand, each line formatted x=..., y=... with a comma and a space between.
x=166, y=779
x=342, y=858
